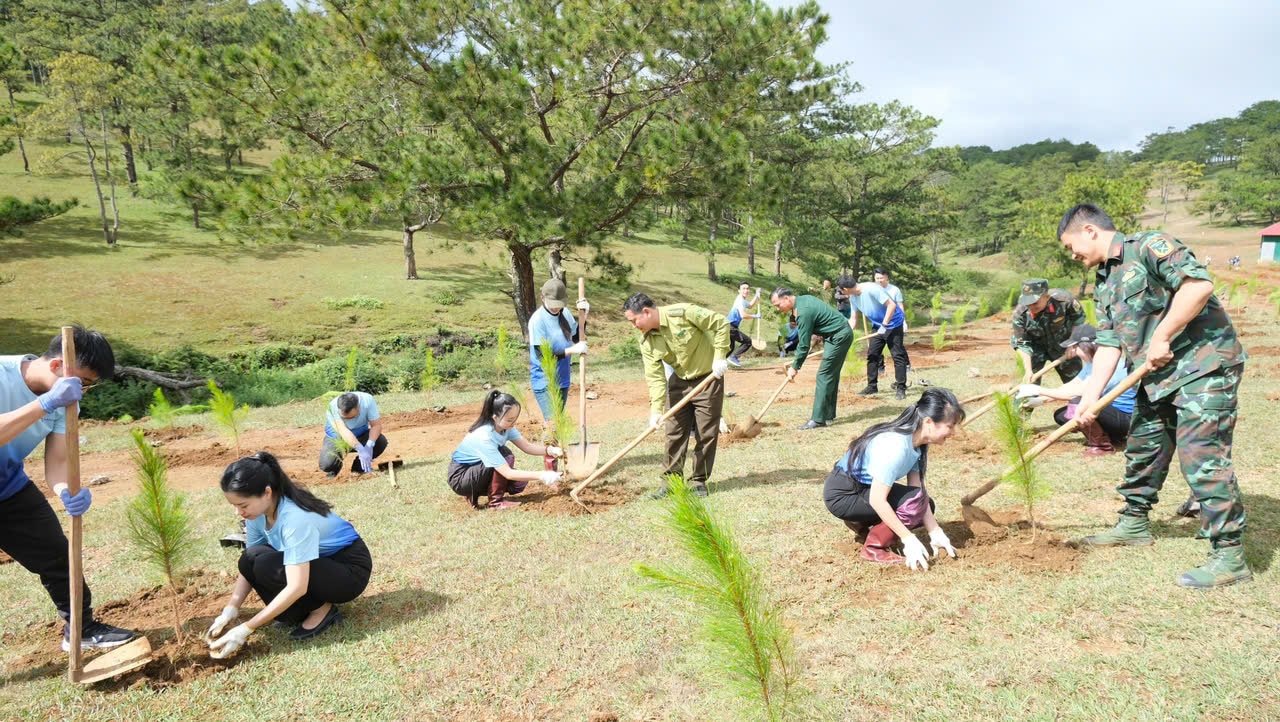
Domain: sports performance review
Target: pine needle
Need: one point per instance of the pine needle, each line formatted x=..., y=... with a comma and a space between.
x=160, y=525
x=560, y=424
x=1015, y=437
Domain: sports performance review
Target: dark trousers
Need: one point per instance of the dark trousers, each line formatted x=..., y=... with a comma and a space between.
x=476, y=480
x=828, y=384
x=1115, y=423
x=856, y=507
x=331, y=455
x=699, y=419
x=31, y=534
x=875, y=356
x=739, y=342
x=336, y=579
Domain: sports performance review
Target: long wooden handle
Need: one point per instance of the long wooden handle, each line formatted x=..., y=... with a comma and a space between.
x=582, y=365
x=1129, y=382
x=773, y=398
x=992, y=404
x=758, y=327
x=643, y=435
x=76, y=539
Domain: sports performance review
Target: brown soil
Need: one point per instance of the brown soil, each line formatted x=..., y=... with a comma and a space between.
x=1009, y=542
x=150, y=611
x=557, y=502
x=173, y=433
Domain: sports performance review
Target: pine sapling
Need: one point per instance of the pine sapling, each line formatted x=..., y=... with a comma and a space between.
x=940, y=337
x=1015, y=435
x=958, y=319
x=226, y=415
x=1090, y=311
x=1274, y=298
x=742, y=625
x=430, y=380
x=935, y=307
x=984, y=308
x=1021, y=365
x=559, y=425
x=160, y=525
x=161, y=410
x=1012, y=300
x=349, y=376
x=1253, y=285
x=503, y=358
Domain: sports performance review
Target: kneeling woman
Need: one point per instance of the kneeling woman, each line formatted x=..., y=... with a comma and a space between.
x=864, y=491
x=483, y=464
x=301, y=558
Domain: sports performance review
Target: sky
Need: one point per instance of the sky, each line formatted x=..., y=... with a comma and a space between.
x=1001, y=72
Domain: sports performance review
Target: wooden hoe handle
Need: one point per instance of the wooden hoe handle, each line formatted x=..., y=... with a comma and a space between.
x=582, y=365
x=76, y=539
x=992, y=404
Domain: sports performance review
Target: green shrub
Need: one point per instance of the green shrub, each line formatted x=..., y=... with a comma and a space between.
x=273, y=356
x=332, y=374
x=161, y=411
x=272, y=387
x=365, y=302
x=394, y=344
x=610, y=270
x=447, y=298
x=629, y=350
x=349, y=375
x=505, y=354
x=117, y=398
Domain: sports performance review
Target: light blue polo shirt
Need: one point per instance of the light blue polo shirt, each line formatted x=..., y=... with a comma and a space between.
x=366, y=411
x=482, y=446
x=1124, y=402
x=302, y=536
x=888, y=457
x=14, y=394
x=872, y=303
x=545, y=326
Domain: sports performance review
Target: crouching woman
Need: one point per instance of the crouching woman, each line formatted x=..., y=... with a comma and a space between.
x=483, y=464
x=877, y=487
x=300, y=557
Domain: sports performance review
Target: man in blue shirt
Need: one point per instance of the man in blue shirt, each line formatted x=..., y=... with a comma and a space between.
x=887, y=320
x=34, y=393
x=353, y=419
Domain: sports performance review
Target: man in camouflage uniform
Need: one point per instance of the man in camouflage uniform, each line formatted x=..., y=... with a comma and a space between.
x=1156, y=304
x=1041, y=322
x=694, y=342
x=814, y=317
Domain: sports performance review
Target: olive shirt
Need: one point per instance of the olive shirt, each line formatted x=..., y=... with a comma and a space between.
x=1134, y=288
x=689, y=338
x=1044, y=332
x=815, y=317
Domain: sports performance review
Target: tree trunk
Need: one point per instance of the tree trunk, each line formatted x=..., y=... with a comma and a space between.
x=555, y=261
x=97, y=185
x=751, y=246
x=26, y=167
x=111, y=181
x=130, y=168
x=522, y=294
x=410, y=260
x=195, y=215
x=777, y=257
x=711, y=251
x=239, y=156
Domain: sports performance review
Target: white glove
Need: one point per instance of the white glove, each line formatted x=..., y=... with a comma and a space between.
x=228, y=616
x=654, y=420
x=578, y=348
x=917, y=556
x=229, y=643
x=880, y=331
x=550, y=478
x=1032, y=402
x=719, y=367
x=939, y=541
x=584, y=306
x=1028, y=390
x=555, y=451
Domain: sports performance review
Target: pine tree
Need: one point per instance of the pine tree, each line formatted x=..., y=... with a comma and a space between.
x=160, y=525
x=161, y=410
x=226, y=415
x=940, y=337
x=1015, y=435
x=559, y=425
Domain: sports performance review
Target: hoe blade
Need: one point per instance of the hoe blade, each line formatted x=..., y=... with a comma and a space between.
x=581, y=462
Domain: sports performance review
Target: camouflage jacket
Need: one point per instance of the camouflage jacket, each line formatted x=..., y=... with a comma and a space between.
x=689, y=338
x=1044, y=332
x=1133, y=289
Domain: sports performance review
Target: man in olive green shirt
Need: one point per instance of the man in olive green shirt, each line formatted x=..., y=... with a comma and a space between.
x=815, y=317
x=694, y=342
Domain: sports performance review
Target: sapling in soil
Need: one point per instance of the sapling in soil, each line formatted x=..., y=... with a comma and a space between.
x=742, y=625
x=957, y=320
x=349, y=376
x=159, y=523
x=1015, y=435
x=984, y=308
x=559, y=425
x=504, y=358
x=940, y=337
x=1012, y=300
x=226, y=414
x=161, y=410
x=935, y=307
x=430, y=379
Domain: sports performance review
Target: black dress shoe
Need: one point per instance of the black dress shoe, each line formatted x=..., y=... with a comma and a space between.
x=869, y=391
x=300, y=632
x=810, y=424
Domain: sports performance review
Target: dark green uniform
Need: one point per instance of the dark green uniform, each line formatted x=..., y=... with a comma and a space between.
x=815, y=317
x=1190, y=403
x=1041, y=335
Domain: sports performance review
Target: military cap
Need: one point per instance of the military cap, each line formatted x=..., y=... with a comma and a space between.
x=1032, y=290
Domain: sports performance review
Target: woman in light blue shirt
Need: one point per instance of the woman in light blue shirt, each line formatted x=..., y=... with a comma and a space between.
x=301, y=558
x=483, y=463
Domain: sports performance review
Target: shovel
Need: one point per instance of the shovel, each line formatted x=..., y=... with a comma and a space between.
x=390, y=465
x=992, y=404
x=134, y=654
x=1129, y=382
x=757, y=341
x=581, y=458
x=644, y=435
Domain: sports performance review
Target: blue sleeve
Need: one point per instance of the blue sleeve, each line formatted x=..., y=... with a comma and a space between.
x=371, y=413
x=255, y=532
x=300, y=539
x=60, y=421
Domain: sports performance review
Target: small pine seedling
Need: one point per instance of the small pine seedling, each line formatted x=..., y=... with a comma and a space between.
x=935, y=307
x=160, y=525
x=1012, y=300
x=430, y=379
x=503, y=358
x=349, y=376
x=940, y=337
x=1014, y=434
x=225, y=413
x=743, y=627
x=1090, y=311
x=161, y=410
x=984, y=308
x=559, y=424
x=1274, y=298
x=1020, y=365
x=958, y=319
x=1253, y=285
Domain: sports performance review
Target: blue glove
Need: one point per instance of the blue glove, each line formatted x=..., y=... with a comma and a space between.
x=66, y=391
x=76, y=505
x=365, y=453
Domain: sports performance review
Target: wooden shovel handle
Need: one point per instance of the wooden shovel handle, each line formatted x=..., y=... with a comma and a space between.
x=773, y=398
x=76, y=538
x=582, y=365
x=643, y=435
x=992, y=404
x=1129, y=382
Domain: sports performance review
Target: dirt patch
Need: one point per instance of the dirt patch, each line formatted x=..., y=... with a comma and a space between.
x=604, y=717
x=1008, y=542
x=150, y=612
x=215, y=454
x=172, y=433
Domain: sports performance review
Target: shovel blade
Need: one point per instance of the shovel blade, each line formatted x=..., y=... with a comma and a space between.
x=118, y=661
x=758, y=344
x=580, y=462
x=748, y=428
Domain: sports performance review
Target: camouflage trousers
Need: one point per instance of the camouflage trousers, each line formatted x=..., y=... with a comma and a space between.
x=1197, y=421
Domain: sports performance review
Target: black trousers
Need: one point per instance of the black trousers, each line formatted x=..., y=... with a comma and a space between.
x=331, y=457
x=31, y=534
x=473, y=480
x=336, y=579
x=897, y=348
x=739, y=342
x=1115, y=423
x=856, y=506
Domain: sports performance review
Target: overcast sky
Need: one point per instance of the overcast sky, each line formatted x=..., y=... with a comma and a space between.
x=1002, y=72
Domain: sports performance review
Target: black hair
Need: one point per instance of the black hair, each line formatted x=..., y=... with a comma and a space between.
x=92, y=352
x=637, y=303
x=1083, y=213
x=1088, y=347
x=846, y=282
x=781, y=292
x=496, y=403
x=253, y=475
x=744, y=283
x=935, y=403
x=880, y=272
x=348, y=402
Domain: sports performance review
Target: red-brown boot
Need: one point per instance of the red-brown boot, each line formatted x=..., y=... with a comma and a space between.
x=497, y=492
x=877, y=547
x=1096, y=440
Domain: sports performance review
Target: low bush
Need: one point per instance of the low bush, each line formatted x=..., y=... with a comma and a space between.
x=365, y=302
x=627, y=350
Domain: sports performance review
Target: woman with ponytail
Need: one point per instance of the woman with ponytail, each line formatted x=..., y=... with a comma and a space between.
x=483, y=464
x=864, y=491
x=301, y=558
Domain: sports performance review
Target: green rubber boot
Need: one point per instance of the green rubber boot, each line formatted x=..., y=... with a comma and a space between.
x=1226, y=566
x=1131, y=531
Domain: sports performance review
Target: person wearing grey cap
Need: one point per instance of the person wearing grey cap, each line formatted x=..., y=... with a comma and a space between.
x=1112, y=427
x=551, y=325
x=1041, y=322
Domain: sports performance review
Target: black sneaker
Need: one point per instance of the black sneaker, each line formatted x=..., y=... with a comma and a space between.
x=96, y=635
x=1190, y=508
x=869, y=391
x=900, y=393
